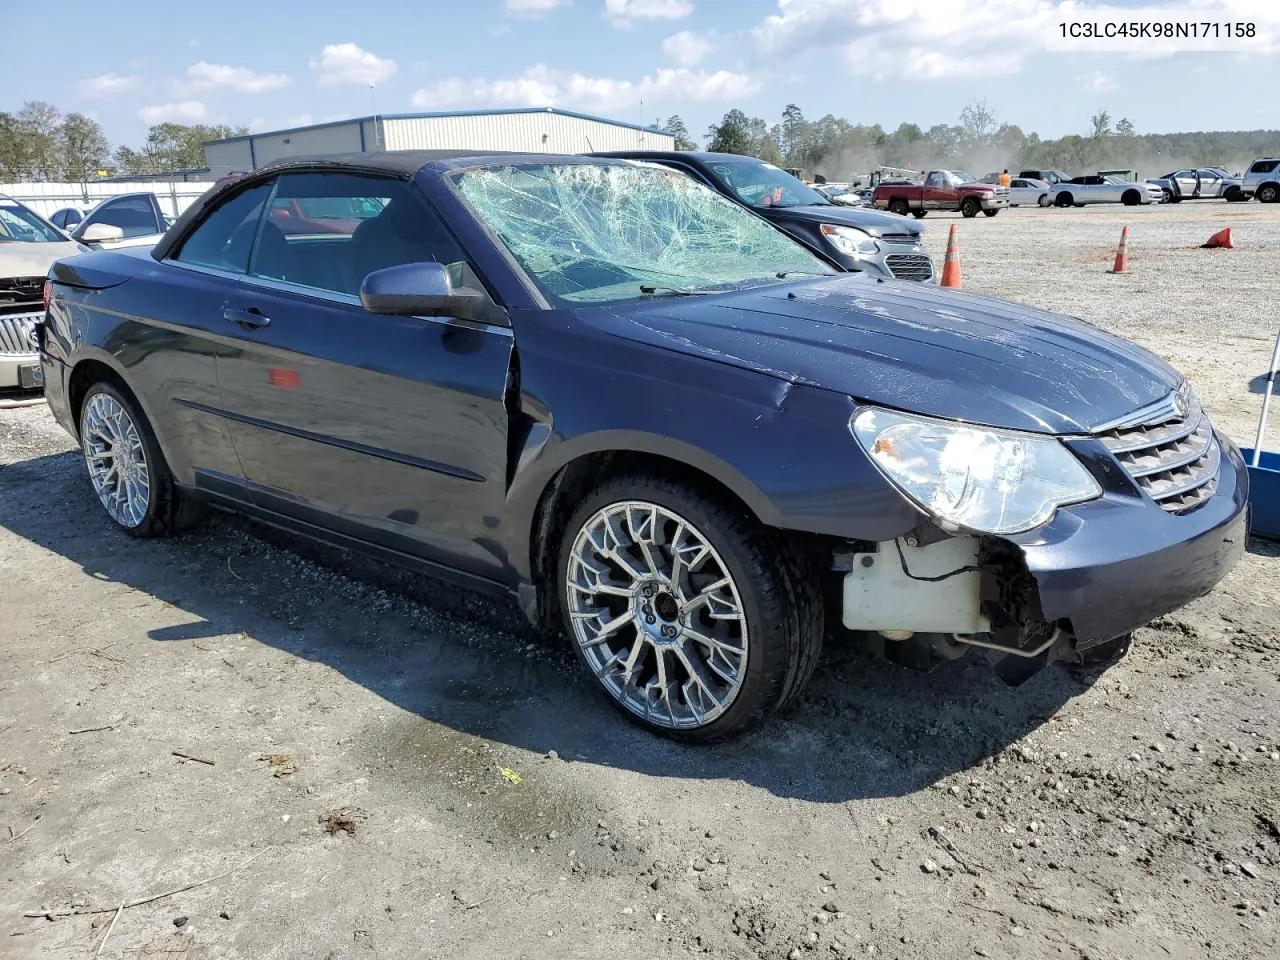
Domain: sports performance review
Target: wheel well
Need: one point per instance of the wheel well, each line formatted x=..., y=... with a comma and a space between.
x=574, y=481
x=83, y=376
x=1131, y=193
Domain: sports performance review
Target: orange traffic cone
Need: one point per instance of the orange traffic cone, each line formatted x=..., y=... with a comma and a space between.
x=1220, y=239
x=1122, y=253
x=951, y=265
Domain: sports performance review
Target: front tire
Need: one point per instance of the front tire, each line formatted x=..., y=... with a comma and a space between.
x=126, y=468
x=969, y=208
x=1131, y=198
x=1063, y=200
x=693, y=619
x=1234, y=195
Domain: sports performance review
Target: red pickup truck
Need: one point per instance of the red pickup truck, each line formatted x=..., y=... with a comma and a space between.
x=942, y=190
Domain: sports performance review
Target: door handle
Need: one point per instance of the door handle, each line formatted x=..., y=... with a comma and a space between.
x=251, y=319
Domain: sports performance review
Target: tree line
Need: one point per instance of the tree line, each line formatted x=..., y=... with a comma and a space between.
x=978, y=143
x=40, y=143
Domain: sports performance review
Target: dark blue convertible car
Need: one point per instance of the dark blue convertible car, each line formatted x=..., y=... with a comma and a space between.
x=676, y=435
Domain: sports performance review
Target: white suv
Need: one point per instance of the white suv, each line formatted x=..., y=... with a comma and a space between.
x=1263, y=180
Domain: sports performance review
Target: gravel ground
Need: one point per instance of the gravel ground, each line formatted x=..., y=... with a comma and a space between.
x=386, y=767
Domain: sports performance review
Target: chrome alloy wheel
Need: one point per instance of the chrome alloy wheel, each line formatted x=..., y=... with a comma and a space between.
x=116, y=459
x=657, y=614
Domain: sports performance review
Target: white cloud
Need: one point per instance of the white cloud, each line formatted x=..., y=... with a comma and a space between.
x=541, y=86
x=1097, y=81
x=914, y=40
x=533, y=8
x=216, y=76
x=621, y=13
x=345, y=63
x=188, y=111
x=686, y=48
x=106, y=85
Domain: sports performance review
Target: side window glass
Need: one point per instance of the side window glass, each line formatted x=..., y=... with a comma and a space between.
x=225, y=237
x=135, y=216
x=331, y=230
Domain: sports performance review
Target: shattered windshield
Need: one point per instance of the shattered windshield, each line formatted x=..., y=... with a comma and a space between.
x=593, y=233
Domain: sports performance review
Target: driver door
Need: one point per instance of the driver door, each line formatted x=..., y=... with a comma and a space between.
x=389, y=430
x=936, y=192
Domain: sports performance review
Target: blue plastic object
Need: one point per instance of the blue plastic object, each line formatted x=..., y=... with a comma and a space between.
x=1264, y=494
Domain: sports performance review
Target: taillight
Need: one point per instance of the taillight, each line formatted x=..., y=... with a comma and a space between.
x=47, y=296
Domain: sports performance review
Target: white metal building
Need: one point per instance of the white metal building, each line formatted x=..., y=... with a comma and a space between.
x=534, y=130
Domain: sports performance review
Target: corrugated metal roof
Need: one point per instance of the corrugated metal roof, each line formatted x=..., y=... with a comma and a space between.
x=444, y=113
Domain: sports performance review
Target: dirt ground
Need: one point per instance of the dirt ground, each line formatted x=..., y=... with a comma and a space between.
x=356, y=763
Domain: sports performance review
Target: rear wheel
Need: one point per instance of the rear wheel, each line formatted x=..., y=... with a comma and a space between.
x=691, y=617
x=126, y=467
x=1268, y=193
x=969, y=207
x=1043, y=200
x=990, y=213
x=899, y=206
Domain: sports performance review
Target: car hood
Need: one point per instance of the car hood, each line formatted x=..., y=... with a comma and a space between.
x=23, y=259
x=871, y=221
x=913, y=347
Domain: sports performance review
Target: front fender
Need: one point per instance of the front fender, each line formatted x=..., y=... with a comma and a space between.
x=783, y=448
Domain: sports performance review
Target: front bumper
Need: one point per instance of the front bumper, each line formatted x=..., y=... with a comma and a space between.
x=1119, y=562
x=998, y=202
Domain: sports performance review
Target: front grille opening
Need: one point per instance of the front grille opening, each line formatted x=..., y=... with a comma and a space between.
x=909, y=266
x=1173, y=456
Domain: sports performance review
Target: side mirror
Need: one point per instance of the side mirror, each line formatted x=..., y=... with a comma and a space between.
x=101, y=233
x=415, y=289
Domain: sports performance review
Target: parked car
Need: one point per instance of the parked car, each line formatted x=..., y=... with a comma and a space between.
x=28, y=247
x=1048, y=176
x=942, y=190
x=665, y=427
x=1199, y=183
x=1262, y=180
x=129, y=220
x=66, y=218
x=1024, y=192
x=854, y=238
x=840, y=193
x=1079, y=191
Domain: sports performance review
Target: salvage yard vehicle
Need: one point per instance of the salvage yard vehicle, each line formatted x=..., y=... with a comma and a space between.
x=129, y=220
x=1262, y=180
x=1199, y=183
x=855, y=238
x=942, y=190
x=1024, y=192
x=668, y=429
x=28, y=247
x=1079, y=191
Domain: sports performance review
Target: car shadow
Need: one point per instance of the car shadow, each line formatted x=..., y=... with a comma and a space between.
x=864, y=728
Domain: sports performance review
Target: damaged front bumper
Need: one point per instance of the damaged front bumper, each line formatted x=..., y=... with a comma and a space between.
x=1094, y=573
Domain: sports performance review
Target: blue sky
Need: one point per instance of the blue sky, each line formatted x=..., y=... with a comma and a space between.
x=277, y=63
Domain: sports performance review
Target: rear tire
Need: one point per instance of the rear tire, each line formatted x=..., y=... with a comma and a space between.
x=1234, y=195
x=1103, y=654
x=125, y=466
x=899, y=206
x=969, y=208
x=1043, y=200
x=742, y=612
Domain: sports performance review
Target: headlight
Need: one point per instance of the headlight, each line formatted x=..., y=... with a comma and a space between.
x=990, y=481
x=850, y=240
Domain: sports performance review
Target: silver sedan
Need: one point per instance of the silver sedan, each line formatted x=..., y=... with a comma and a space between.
x=1025, y=192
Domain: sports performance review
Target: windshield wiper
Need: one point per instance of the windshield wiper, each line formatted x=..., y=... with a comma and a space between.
x=783, y=274
x=650, y=289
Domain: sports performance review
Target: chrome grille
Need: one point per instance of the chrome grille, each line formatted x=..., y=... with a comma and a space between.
x=910, y=238
x=1169, y=450
x=909, y=266
x=15, y=334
